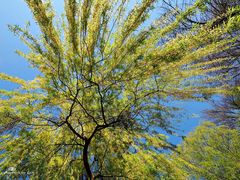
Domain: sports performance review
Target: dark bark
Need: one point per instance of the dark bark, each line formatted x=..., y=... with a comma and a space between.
x=85, y=160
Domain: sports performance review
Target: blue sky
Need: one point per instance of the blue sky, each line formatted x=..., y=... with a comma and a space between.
x=16, y=12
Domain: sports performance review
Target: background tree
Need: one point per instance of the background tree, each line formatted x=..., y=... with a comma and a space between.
x=104, y=78
x=226, y=109
x=210, y=152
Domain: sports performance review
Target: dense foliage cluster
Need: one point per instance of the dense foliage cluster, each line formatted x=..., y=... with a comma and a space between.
x=210, y=152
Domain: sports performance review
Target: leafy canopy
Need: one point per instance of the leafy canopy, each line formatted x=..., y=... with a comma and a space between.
x=105, y=75
x=210, y=152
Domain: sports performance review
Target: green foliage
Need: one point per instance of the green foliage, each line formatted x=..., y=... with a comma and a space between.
x=100, y=96
x=210, y=152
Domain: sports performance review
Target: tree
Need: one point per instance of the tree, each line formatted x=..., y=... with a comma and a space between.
x=104, y=79
x=216, y=10
x=226, y=109
x=210, y=152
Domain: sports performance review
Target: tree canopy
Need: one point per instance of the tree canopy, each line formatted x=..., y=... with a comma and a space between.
x=226, y=109
x=106, y=71
x=210, y=152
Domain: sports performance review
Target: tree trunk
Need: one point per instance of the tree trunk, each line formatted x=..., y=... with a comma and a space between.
x=85, y=160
